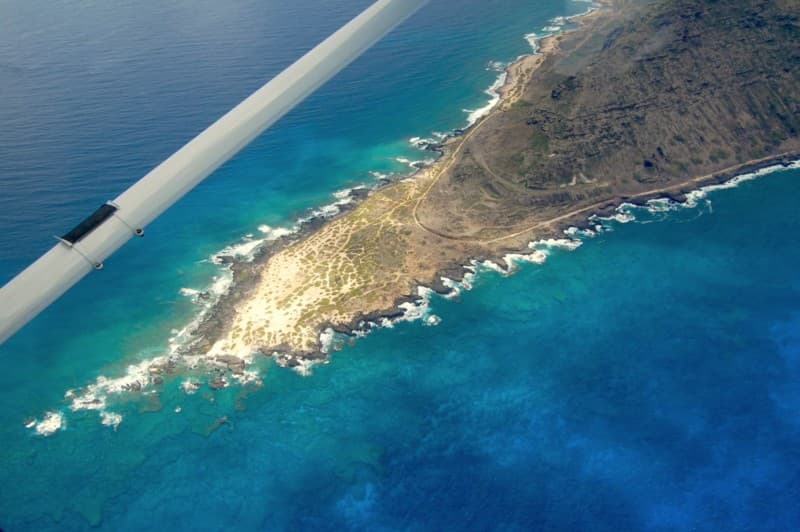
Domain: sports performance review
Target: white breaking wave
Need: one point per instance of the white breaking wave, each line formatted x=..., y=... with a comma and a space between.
x=456, y=288
x=549, y=244
x=627, y=212
x=494, y=91
x=418, y=310
x=274, y=233
x=514, y=259
x=574, y=232
x=138, y=377
x=343, y=197
x=244, y=250
x=110, y=419
x=380, y=176
x=622, y=216
x=540, y=251
x=189, y=386
x=416, y=165
x=423, y=143
x=496, y=66
x=533, y=40
x=50, y=423
x=327, y=339
x=432, y=320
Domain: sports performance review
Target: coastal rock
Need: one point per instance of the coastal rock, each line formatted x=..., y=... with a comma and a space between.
x=234, y=364
x=218, y=383
x=134, y=386
x=642, y=100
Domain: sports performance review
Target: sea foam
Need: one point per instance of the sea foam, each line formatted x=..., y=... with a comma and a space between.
x=49, y=424
x=137, y=376
x=475, y=115
x=420, y=308
x=659, y=207
x=110, y=419
x=533, y=41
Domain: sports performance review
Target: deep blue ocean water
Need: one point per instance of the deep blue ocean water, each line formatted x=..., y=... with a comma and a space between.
x=649, y=380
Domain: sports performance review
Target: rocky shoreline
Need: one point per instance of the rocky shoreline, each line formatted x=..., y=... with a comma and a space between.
x=217, y=372
x=245, y=277
x=246, y=273
x=584, y=148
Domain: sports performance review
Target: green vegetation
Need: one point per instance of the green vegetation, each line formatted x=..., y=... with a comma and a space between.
x=778, y=137
x=718, y=155
x=539, y=143
x=757, y=152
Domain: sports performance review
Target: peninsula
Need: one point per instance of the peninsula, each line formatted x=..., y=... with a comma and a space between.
x=643, y=99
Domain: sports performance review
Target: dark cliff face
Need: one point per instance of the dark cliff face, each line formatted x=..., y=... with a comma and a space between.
x=650, y=94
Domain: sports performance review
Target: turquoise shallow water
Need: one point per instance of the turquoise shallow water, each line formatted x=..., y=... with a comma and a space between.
x=648, y=380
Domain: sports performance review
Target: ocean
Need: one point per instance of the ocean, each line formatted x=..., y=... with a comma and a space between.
x=646, y=379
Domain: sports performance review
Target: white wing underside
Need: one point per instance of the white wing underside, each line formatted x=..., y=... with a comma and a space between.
x=65, y=264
